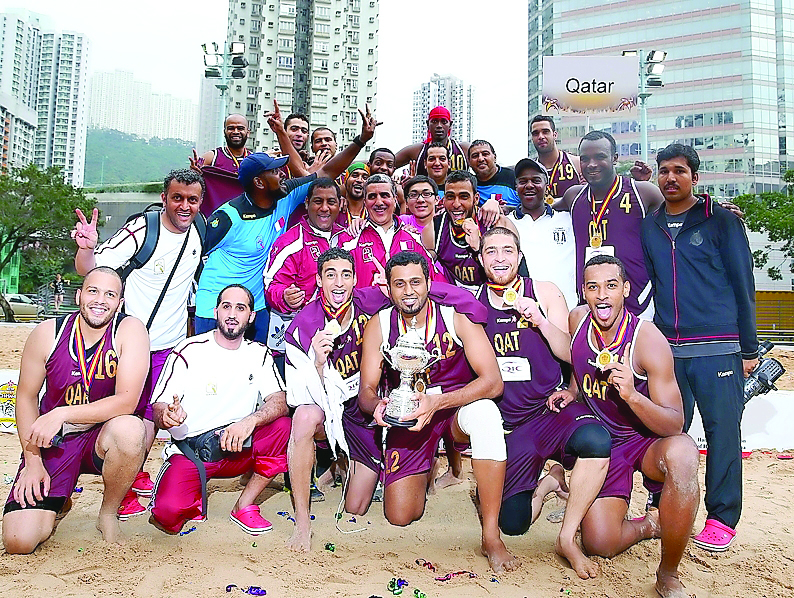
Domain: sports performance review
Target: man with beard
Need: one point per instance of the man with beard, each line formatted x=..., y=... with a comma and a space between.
x=94, y=364
x=623, y=368
x=382, y=236
x=453, y=396
x=241, y=232
x=493, y=180
x=355, y=178
x=528, y=327
x=222, y=400
x=439, y=124
x=323, y=357
x=220, y=166
x=157, y=289
x=701, y=267
x=455, y=234
x=546, y=234
x=607, y=215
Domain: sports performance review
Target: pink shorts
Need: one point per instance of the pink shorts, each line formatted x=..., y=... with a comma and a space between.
x=156, y=362
x=177, y=491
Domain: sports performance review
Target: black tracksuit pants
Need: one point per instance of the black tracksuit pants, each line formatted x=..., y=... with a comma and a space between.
x=715, y=384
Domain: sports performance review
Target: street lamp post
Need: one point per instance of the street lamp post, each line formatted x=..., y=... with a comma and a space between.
x=224, y=63
x=651, y=68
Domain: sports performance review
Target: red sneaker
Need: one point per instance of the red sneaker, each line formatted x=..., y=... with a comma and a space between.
x=130, y=506
x=251, y=520
x=142, y=486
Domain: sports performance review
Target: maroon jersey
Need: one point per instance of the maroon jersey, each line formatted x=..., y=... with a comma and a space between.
x=562, y=177
x=619, y=230
x=449, y=373
x=458, y=260
x=603, y=398
x=64, y=379
x=529, y=370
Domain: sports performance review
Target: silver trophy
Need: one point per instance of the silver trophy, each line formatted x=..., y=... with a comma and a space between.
x=409, y=357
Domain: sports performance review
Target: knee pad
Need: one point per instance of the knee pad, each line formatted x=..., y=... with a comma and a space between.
x=591, y=441
x=515, y=516
x=482, y=423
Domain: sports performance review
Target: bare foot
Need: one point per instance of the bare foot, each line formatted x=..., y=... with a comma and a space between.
x=669, y=586
x=108, y=525
x=447, y=479
x=499, y=558
x=651, y=525
x=570, y=551
x=301, y=539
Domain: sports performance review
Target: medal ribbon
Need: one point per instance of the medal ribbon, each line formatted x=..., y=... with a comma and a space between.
x=430, y=322
x=556, y=167
x=334, y=314
x=619, y=337
x=246, y=151
x=500, y=288
x=87, y=372
x=600, y=215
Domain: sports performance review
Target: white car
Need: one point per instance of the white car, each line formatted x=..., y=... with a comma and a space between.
x=24, y=308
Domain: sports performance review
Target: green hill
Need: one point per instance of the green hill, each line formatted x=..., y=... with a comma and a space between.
x=130, y=159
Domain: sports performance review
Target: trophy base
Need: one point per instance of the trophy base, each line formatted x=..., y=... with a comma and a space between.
x=394, y=421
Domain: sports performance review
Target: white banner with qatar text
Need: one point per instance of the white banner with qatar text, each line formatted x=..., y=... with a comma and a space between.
x=590, y=84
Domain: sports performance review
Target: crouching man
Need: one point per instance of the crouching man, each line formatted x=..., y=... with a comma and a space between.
x=94, y=363
x=207, y=398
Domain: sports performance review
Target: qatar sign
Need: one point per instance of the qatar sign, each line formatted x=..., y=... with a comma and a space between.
x=589, y=84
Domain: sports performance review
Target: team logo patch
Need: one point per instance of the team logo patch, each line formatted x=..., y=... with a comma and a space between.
x=215, y=222
x=696, y=239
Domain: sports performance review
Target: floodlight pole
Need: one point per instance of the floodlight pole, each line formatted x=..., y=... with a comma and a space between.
x=643, y=96
x=223, y=85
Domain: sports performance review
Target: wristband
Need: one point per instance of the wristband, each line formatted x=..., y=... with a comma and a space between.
x=358, y=142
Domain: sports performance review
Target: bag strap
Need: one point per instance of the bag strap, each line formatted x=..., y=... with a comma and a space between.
x=188, y=452
x=168, y=282
x=146, y=250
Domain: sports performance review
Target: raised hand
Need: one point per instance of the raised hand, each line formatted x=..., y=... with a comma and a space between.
x=274, y=120
x=84, y=232
x=472, y=232
x=641, y=171
x=368, y=124
x=489, y=212
x=196, y=162
x=323, y=344
x=530, y=309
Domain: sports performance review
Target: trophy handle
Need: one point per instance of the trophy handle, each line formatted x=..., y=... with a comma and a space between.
x=435, y=355
x=384, y=350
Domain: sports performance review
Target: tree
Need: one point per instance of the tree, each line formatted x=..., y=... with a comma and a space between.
x=772, y=212
x=36, y=212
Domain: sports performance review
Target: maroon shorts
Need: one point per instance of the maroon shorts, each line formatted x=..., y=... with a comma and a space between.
x=412, y=453
x=625, y=459
x=156, y=362
x=177, y=491
x=365, y=444
x=538, y=439
x=64, y=464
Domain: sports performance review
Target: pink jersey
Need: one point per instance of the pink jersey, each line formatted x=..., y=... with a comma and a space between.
x=293, y=260
x=64, y=379
x=372, y=248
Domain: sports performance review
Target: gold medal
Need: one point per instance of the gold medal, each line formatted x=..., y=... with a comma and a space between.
x=510, y=296
x=419, y=386
x=604, y=358
x=596, y=240
x=333, y=328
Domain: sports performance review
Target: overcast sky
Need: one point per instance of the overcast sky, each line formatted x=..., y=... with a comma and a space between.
x=159, y=42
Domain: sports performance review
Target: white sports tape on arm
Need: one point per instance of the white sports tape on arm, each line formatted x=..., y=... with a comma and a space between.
x=482, y=423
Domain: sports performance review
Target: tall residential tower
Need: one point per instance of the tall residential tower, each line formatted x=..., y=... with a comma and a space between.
x=316, y=57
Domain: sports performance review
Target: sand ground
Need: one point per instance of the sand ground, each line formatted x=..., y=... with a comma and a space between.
x=75, y=562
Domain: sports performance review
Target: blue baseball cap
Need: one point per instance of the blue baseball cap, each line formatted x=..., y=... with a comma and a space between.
x=253, y=164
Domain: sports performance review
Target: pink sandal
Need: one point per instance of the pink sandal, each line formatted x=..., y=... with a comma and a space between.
x=715, y=537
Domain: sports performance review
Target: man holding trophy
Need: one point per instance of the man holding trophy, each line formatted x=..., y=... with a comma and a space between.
x=448, y=373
